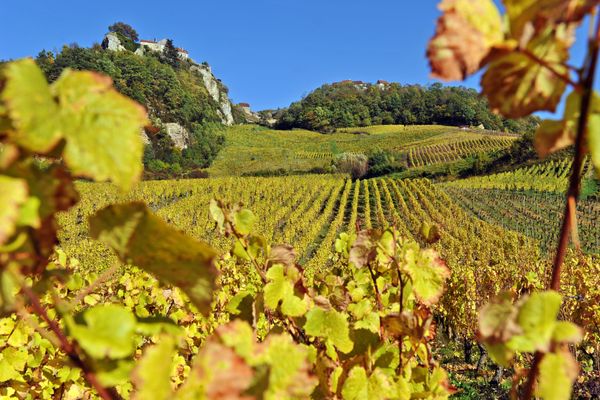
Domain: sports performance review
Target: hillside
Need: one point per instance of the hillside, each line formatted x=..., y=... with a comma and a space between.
x=188, y=105
x=356, y=103
x=254, y=150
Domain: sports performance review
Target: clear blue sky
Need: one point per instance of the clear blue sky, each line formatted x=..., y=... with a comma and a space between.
x=268, y=52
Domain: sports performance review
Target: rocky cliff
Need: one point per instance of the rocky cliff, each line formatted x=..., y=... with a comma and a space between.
x=214, y=87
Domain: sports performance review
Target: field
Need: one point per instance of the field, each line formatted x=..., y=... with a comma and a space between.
x=252, y=150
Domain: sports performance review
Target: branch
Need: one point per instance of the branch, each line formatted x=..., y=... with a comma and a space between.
x=69, y=347
x=587, y=85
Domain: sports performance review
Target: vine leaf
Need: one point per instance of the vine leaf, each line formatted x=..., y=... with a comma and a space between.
x=31, y=108
x=12, y=196
x=331, y=325
x=465, y=34
x=516, y=85
x=107, y=331
x=537, y=319
x=358, y=386
x=527, y=14
x=101, y=127
x=428, y=274
x=558, y=371
x=152, y=374
x=281, y=288
x=143, y=239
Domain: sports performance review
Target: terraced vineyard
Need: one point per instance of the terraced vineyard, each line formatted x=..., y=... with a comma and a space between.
x=454, y=151
x=253, y=150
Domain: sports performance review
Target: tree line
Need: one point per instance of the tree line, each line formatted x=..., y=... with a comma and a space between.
x=348, y=104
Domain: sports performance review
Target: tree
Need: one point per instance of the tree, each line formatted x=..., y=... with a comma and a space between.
x=125, y=30
x=171, y=54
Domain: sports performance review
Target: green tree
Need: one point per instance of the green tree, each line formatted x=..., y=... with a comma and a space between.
x=125, y=30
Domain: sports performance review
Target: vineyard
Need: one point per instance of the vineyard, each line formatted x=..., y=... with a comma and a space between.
x=533, y=214
x=254, y=150
x=550, y=176
x=454, y=151
x=309, y=212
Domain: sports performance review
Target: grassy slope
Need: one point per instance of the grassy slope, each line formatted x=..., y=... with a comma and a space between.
x=251, y=149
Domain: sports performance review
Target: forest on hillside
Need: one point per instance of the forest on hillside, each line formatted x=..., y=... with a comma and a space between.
x=347, y=104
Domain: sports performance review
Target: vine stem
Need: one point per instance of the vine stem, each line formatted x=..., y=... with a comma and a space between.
x=69, y=347
x=569, y=223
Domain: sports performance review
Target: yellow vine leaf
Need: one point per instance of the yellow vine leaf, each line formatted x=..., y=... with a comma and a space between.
x=12, y=196
x=524, y=15
x=554, y=135
x=31, y=108
x=465, y=34
x=516, y=85
x=144, y=240
x=101, y=127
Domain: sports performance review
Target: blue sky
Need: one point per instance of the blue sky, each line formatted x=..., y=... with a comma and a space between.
x=268, y=52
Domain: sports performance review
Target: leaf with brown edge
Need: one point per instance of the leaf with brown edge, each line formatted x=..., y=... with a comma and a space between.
x=283, y=254
x=101, y=128
x=143, y=239
x=428, y=275
x=223, y=374
x=516, y=85
x=465, y=34
x=524, y=15
x=12, y=196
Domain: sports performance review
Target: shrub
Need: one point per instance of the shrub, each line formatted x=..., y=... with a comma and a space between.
x=357, y=165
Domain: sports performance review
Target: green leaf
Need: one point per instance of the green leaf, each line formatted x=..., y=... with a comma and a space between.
x=142, y=239
x=101, y=127
x=7, y=372
x=465, y=35
x=594, y=140
x=517, y=86
x=567, y=332
x=12, y=196
x=537, y=319
x=558, y=371
x=356, y=386
x=289, y=372
x=152, y=374
x=217, y=213
x=17, y=358
x=31, y=107
x=331, y=325
x=107, y=331
x=281, y=288
x=428, y=274
x=378, y=386
x=244, y=221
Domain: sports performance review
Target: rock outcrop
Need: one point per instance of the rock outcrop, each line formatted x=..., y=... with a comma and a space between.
x=112, y=42
x=215, y=91
x=178, y=134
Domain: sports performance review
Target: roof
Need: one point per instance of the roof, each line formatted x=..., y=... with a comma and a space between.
x=147, y=41
x=244, y=105
x=381, y=81
x=184, y=51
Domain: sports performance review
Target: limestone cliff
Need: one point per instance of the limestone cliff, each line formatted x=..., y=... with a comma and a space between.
x=213, y=86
